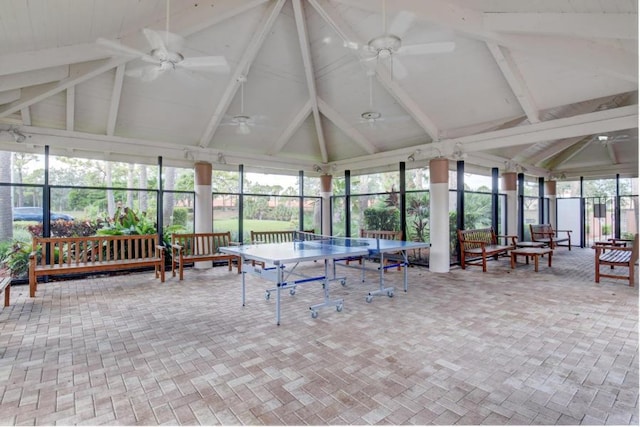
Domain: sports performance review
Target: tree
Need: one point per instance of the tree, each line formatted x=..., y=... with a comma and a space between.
x=143, y=196
x=169, y=197
x=6, y=206
x=20, y=161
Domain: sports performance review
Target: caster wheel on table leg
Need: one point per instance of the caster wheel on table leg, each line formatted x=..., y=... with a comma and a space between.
x=292, y=291
x=369, y=298
x=267, y=295
x=314, y=314
x=390, y=294
x=339, y=308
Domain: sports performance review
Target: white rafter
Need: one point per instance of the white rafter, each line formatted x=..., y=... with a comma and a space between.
x=515, y=80
x=71, y=107
x=328, y=13
x=114, y=105
x=584, y=53
x=346, y=127
x=33, y=77
x=294, y=125
x=31, y=95
x=600, y=25
x=241, y=70
x=303, y=39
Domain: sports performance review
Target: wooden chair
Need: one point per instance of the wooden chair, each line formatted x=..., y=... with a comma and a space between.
x=615, y=255
x=546, y=234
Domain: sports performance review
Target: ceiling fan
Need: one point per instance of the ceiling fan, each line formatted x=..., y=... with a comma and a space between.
x=164, y=55
x=243, y=121
x=388, y=45
x=371, y=116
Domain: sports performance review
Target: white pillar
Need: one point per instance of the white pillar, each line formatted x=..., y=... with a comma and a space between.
x=550, y=190
x=509, y=185
x=439, y=254
x=203, y=204
x=325, y=193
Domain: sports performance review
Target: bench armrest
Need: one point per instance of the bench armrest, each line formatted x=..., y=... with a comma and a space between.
x=508, y=236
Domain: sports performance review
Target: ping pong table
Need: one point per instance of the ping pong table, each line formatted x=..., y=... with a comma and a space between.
x=281, y=260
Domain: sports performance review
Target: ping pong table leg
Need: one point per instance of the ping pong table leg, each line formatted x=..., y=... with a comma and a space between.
x=279, y=282
x=405, y=273
x=243, y=282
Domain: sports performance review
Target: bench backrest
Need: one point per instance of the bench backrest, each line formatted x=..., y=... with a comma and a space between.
x=283, y=236
x=485, y=235
x=634, y=251
x=94, y=249
x=201, y=243
x=541, y=230
x=381, y=234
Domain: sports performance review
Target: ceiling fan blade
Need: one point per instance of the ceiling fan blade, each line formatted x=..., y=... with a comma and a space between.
x=119, y=48
x=145, y=73
x=401, y=23
x=398, y=70
x=217, y=64
x=426, y=48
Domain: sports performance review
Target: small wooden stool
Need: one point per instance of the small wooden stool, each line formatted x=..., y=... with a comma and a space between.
x=534, y=253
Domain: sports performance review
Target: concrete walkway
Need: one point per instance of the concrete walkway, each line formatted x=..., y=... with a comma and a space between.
x=503, y=347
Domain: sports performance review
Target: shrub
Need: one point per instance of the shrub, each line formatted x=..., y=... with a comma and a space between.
x=382, y=219
x=180, y=216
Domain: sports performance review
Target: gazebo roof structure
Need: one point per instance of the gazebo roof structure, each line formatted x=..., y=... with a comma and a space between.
x=545, y=87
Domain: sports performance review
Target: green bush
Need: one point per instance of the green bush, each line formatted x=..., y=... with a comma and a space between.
x=127, y=222
x=180, y=216
x=382, y=219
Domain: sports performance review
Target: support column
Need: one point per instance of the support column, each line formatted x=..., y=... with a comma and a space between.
x=550, y=191
x=325, y=193
x=439, y=254
x=509, y=188
x=203, y=204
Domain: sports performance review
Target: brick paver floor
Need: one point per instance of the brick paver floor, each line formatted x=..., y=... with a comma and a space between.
x=503, y=347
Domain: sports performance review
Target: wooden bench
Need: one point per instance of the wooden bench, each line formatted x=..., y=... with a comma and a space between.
x=92, y=254
x=615, y=255
x=478, y=244
x=281, y=236
x=193, y=247
x=544, y=233
x=378, y=234
x=5, y=285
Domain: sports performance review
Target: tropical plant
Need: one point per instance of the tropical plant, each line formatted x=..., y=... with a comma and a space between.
x=127, y=222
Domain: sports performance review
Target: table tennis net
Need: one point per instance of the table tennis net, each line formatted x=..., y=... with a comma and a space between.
x=321, y=240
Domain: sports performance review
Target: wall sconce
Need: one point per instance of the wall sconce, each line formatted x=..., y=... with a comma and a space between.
x=317, y=168
x=458, y=153
x=412, y=156
x=221, y=159
x=16, y=134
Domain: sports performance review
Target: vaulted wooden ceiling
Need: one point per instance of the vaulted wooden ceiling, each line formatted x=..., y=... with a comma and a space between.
x=543, y=86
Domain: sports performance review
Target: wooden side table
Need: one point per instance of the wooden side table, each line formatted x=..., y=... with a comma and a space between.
x=534, y=253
